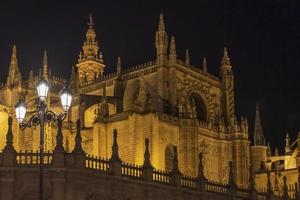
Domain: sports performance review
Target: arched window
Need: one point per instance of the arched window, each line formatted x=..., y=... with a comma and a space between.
x=169, y=155
x=198, y=102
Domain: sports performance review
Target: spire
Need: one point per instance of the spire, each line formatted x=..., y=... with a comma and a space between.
x=225, y=59
x=259, y=139
x=225, y=63
x=187, y=57
x=287, y=144
x=172, y=53
x=119, y=66
x=204, y=64
x=161, y=24
x=161, y=42
x=45, y=65
x=14, y=74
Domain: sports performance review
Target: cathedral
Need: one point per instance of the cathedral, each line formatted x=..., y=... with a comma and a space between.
x=166, y=101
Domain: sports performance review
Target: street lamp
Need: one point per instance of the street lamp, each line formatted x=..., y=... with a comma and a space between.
x=42, y=116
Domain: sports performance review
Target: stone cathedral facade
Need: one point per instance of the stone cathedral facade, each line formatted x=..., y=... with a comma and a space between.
x=167, y=100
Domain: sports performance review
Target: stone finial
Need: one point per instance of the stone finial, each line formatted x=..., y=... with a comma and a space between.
x=276, y=152
x=204, y=65
x=78, y=140
x=9, y=138
x=201, y=175
x=45, y=65
x=147, y=168
x=175, y=173
x=187, y=57
x=246, y=124
x=259, y=139
x=59, y=137
x=161, y=24
x=147, y=162
x=119, y=66
x=91, y=22
x=225, y=59
x=175, y=168
x=115, y=148
x=172, y=53
x=287, y=144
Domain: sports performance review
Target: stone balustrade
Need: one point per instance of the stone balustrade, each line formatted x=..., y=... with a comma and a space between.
x=64, y=171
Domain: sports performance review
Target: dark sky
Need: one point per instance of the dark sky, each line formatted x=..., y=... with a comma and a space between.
x=263, y=38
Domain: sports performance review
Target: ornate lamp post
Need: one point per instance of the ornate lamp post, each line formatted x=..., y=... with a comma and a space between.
x=42, y=116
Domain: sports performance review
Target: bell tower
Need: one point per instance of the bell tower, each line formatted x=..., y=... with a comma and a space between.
x=90, y=63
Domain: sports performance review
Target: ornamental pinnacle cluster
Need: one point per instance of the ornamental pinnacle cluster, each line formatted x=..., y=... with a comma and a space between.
x=183, y=114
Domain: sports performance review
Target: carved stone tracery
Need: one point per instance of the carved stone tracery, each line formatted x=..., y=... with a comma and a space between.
x=186, y=86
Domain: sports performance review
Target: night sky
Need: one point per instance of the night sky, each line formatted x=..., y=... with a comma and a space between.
x=263, y=39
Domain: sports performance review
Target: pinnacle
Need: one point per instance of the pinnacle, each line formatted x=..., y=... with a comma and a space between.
x=187, y=57
x=45, y=58
x=204, y=64
x=172, y=46
x=258, y=129
x=119, y=62
x=161, y=25
x=90, y=23
x=14, y=50
x=225, y=59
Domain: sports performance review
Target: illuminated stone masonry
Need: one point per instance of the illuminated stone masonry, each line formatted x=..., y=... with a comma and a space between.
x=181, y=110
